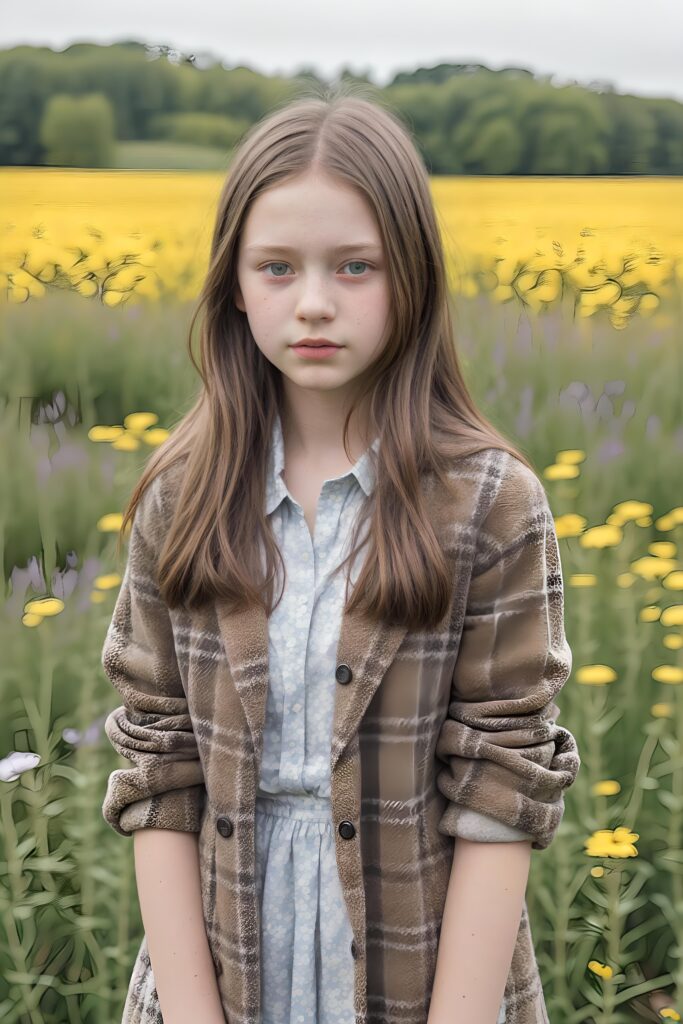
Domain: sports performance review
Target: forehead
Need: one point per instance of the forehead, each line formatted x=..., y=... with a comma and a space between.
x=334, y=250
x=311, y=212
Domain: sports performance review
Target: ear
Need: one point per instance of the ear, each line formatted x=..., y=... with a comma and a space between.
x=239, y=301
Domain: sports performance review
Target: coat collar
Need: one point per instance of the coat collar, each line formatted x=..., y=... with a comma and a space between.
x=367, y=647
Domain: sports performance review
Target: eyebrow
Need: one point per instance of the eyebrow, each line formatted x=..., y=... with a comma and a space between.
x=352, y=247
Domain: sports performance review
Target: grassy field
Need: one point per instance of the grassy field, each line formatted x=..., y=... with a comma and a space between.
x=163, y=155
x=586, y=379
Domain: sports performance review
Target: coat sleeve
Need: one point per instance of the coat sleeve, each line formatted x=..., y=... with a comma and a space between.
x=153, y=729
x=508, y=761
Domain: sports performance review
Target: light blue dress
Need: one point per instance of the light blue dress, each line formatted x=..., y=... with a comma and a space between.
x=307, y=966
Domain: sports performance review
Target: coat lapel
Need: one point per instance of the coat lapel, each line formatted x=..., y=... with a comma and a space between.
x=368, y=648
x=245, y=638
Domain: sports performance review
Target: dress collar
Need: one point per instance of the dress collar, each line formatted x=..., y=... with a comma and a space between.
x=363, y=469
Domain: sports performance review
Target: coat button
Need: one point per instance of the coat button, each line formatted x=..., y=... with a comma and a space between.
x=224, y=826
x=347, y=829
x=354, y=949
x=343, y=673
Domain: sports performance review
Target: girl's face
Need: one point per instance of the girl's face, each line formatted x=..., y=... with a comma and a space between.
x=311, y=265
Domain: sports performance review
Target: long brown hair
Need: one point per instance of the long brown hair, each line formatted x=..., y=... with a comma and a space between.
x=418, y=401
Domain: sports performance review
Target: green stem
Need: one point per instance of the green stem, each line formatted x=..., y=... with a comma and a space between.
x=29, y=997
x=612, y=887
x=675, y=837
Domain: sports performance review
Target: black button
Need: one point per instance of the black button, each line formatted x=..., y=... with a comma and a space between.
x=343, y=673
x=347, y=829
x=224, y=826
x=354, y=949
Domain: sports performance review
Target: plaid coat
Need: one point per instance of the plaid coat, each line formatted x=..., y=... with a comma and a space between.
x=426, y=724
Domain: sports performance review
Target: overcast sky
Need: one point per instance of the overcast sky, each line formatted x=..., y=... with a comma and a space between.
x=635, y=46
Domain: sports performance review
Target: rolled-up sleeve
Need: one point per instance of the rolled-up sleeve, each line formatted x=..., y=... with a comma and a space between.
x=508, y=762
x=153, y=729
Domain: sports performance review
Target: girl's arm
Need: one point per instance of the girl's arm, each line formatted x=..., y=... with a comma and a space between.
x=160, y=798
x=480, y=923
x=164, y=787
x=167, y=872
x=505, y=754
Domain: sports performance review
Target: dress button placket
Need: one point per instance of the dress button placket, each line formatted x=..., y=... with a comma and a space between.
x=291, y=766
x=304, y=655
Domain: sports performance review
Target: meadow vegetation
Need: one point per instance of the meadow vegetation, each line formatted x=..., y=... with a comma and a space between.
x=567, y=298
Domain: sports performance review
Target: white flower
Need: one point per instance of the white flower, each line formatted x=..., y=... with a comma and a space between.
x=17, y=762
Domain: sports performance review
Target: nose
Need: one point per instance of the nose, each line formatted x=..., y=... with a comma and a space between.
x=314, y=299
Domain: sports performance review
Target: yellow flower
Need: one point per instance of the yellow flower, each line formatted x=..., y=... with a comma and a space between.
x=110, y=523
x=648, y=302
x=561, y=471
x=607, y=787
x=666, y=522
x=650, y=613
x=598, y=871
x=605, y=536
x=668, y=674
x=583, y=579
x=155, y=437
x=628, y=510
x=31, y=620
x=127, y=442
x=107, y=582
x=662, y=710
x=674, y=581
x=595, y=675
x=649, y=567
x=44, y=606
x=668, y=1013
x=139, y=421
x=673, y=615
x=570, y=455
x=570, y=525
x=662, y=548
x=602, y=970
x=101, y=433
x=617, y=843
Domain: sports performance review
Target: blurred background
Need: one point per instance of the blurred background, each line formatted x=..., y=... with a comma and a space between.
x=554, y=141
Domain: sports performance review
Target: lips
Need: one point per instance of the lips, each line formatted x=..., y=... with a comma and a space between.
x=318, y=343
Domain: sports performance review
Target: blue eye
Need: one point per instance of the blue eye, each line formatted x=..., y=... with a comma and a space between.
x=351, y=263
x=276, y=265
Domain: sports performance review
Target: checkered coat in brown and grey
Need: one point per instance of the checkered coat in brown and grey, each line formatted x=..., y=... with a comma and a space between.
x=426, y=723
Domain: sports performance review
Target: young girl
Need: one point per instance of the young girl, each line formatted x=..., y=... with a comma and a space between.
x=335, y=794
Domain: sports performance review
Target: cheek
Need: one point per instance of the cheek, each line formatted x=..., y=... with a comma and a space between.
x=374, y=308
x=262, y=310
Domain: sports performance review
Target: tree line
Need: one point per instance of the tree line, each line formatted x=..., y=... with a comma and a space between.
x=70, y=108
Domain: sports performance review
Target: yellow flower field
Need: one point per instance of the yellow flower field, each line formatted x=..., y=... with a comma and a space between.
x=132, y=236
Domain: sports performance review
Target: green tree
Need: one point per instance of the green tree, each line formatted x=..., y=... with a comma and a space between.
x=78, y=131
x=466, y=118
x=199, y=129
